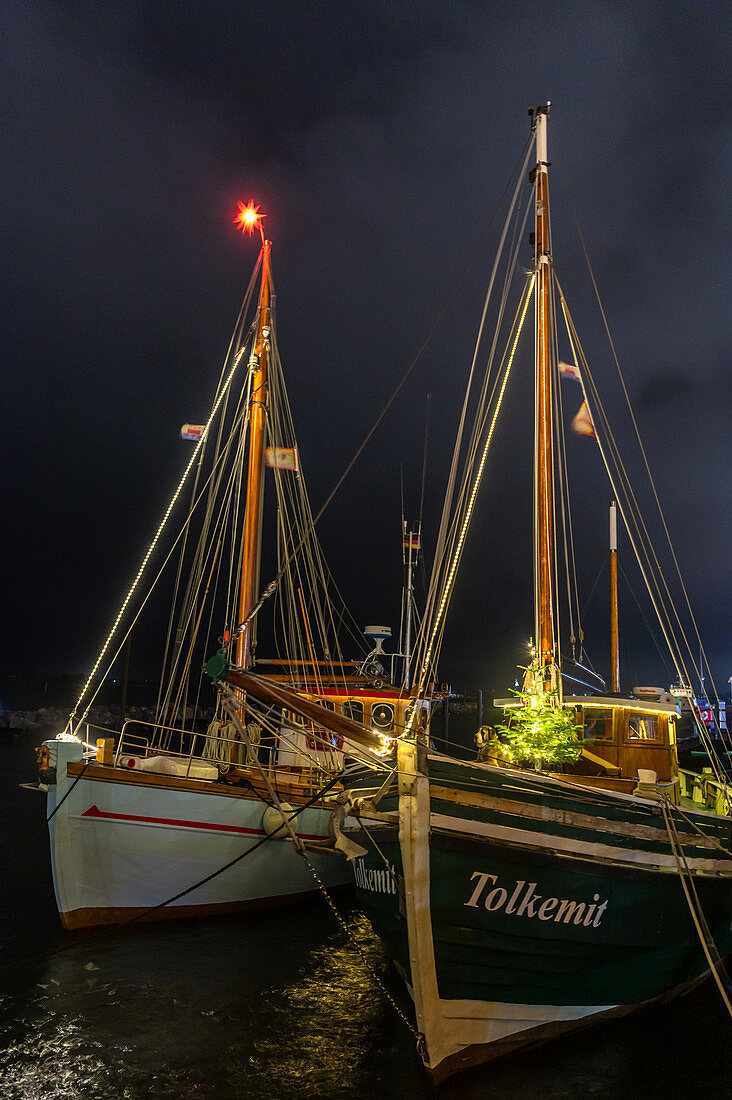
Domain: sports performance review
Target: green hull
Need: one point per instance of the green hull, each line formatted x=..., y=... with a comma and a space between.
x=644, y=947
x=535, y=912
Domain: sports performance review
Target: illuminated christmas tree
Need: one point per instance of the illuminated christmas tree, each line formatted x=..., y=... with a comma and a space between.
x=540, y=730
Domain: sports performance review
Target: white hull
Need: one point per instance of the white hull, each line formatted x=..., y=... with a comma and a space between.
x=119, y=848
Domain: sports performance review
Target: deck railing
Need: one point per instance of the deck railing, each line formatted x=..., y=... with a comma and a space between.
x=187, y=747
x=705, y=790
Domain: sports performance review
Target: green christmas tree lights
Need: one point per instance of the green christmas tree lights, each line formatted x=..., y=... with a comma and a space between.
x=540, y=730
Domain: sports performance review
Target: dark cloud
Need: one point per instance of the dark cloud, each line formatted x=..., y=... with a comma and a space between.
x=378, y=137
x=664, y=388
x=273, y=71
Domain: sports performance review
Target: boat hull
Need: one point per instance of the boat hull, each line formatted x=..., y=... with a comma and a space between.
x=120, y=848
x=509, y=929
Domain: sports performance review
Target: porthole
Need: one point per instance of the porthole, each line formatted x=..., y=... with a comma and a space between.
x=382, y=717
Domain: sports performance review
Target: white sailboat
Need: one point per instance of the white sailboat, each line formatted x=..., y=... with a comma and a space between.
x=172, y=817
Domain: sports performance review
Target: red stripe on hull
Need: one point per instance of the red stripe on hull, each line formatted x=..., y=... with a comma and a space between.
x=95, y=812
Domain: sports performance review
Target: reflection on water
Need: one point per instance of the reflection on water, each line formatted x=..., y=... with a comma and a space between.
x=269, y=1005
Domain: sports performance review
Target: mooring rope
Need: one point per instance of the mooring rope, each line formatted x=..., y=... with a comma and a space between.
x=58, y=805
x=111, y=928
x=232, y=704
x=716, y=966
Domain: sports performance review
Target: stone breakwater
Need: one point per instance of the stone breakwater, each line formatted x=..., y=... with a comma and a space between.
x=54, y=719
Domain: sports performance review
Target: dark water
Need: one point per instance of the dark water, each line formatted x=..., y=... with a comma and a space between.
x=268, y=1005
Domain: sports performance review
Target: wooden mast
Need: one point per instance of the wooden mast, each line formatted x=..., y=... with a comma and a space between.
x=614, y=631
x=258, y=363
x=544, y=575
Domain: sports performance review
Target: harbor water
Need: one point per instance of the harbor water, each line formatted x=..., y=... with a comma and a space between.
x=269, y=1004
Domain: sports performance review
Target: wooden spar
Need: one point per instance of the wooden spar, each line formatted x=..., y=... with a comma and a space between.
x=614, y=632
x=258, y=362
x=298, y=663
x=410, y=561
x=544, y=579
x=277, y=695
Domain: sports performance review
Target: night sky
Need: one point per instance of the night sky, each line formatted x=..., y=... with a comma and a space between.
x=378, y=137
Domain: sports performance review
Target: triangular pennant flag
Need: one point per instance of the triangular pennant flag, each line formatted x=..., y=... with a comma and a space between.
x=582, y=423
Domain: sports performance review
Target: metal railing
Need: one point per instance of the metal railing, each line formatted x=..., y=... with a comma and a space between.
x=704, y=790
x=181, y=745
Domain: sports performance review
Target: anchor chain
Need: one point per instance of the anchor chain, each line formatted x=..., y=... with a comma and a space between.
x=231, y=705
x=355, y=944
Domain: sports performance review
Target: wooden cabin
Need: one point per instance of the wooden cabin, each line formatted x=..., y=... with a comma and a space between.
x=627, y=737
x=624, y=739
x=384, y=711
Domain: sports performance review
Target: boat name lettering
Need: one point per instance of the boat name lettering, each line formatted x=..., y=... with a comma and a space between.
x=525, y=902
x=381, y=881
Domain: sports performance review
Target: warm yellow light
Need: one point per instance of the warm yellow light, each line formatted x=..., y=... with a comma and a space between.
x=639, y=708
x=133, y=587
x=473, y=494
x=386, y=743
x=72, y=737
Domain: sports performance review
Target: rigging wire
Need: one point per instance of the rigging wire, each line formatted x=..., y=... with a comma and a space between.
x=442, y=313
x=570, y=564
x=143, y=603
x=662, y=654
x=449, y=517
x=207, y=548
x=709, y=947
x=634, y=523
x=424, y=459
x=237, y=339
x=430, y=651
x=223, y=392
x=703, y=662
x=156, y=539
x=588, y=601
x=450, y=526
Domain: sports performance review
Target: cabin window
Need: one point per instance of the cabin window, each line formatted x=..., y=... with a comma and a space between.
x=353, y=709
x=289, y=718
x=327, y=703
x=642, y=727
x=382, y=717
x=598, y=724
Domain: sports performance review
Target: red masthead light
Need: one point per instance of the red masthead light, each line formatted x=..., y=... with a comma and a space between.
x=248, y=217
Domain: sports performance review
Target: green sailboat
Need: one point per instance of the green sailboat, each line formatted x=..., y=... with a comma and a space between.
x=562, y=877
